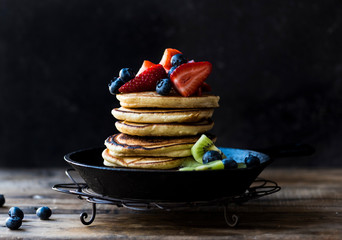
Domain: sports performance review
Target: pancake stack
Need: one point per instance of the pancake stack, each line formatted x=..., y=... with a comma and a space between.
x=157, y=132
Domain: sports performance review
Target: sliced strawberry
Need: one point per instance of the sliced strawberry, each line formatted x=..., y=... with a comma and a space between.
x=166, y=59
x=146, y=64
x=199, y=92
x=189, y=77
x=206, y=87
x=145, y=81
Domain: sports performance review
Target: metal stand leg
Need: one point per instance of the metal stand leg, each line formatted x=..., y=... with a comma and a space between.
x=232, y=220
x=84, y=215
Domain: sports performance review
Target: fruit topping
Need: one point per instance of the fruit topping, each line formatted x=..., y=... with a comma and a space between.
x=126, y=74
x=189, y=164
x=44, y=213
x=16, y=212
x=164, y=86
x=211, y=156
x=215, y=165
x=114, y=85
x=13, y=223
x=178, y=59
x=199, y=92
x=229, y=163
x=146, y=64
x=166, y=59
x=145, y=81
x=241, y=165
x=252, y=161
x=203, y=145
x=171, y=70
x=189, y=77
x=205, y=87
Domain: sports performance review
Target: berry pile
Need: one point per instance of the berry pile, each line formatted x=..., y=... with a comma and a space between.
x=16, y=215
x=208, y=157
x=125, y=75
x=174, y=71
x=15, y=218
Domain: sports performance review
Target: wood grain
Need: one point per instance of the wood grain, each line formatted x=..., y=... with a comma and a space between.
x=309, y=206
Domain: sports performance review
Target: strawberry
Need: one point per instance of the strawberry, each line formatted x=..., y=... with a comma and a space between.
x=146, y=64
x=189, y=77
x=145, y=81
x=199, y=92
x=206, y=87
x=166, y=59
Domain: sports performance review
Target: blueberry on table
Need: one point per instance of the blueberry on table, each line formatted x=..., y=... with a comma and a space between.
x=178, y=59
x=252, y=161
x=44, y=213
x=164, y=86
x=13, y=223
x=2, y=200
x=16, y=212
x=210, y=156
x=229, y=163
x=114, y=85
x=126, y=74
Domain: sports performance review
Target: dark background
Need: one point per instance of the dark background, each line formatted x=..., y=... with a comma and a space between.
x=277, y=67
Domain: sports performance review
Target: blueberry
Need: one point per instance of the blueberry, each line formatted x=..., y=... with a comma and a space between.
x=44, y=213
x=164, y=86
x=229, y=163
x=114, y=85
x=13, y=223
x=16, y=212
x=210, y=156
x=2, y=200
x=178, y=59
x=126, y=74
x=252, y=161
x=171, y=70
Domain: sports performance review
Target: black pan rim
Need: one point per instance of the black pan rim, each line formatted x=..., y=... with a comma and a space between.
x=68, y=159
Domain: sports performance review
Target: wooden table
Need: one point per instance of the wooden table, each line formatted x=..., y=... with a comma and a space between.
x=309, y=206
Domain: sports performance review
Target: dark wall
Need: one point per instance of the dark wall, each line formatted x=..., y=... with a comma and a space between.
x=277, y=67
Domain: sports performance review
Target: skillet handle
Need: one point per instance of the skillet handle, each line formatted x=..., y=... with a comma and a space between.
x=292, y=150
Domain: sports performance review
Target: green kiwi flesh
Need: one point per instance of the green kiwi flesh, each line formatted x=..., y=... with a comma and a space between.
x=203, y=145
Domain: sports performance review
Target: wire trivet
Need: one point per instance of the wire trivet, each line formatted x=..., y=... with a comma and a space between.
x=259, y=188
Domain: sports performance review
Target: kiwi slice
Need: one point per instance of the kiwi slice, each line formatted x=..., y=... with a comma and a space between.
x=242, y=165
x=214, y=165
x=190, y=162
x=203, y=145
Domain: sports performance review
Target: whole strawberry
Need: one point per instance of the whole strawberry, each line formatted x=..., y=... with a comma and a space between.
x=145, y=81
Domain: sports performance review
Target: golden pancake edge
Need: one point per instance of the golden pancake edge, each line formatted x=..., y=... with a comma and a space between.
x=164, y=129
x=154, y=100
x=128, y=145
x=162, y=115
x=141, y=162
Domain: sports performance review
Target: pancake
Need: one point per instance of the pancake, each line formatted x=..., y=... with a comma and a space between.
x=128, y=145
x=162, y=115
x=141, y=162
x=164, y=129
x=154, y=100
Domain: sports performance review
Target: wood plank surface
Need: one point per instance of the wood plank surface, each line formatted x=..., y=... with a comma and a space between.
x=309, y=206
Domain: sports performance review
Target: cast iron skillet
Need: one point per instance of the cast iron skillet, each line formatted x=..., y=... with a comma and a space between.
x=173, y=185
